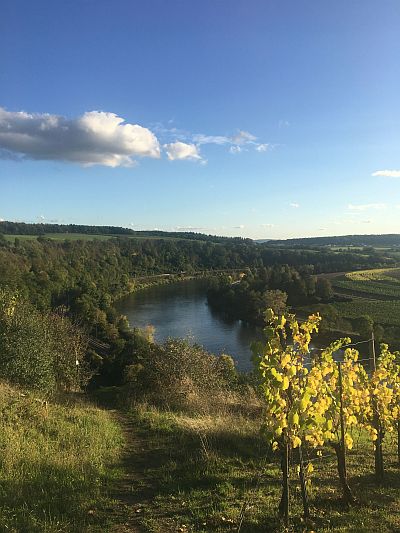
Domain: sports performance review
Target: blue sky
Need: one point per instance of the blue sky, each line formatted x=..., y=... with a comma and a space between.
x=265, y=119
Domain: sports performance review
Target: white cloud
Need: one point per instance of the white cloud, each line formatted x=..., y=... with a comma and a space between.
x=295, y=205
x=237, y=143
x=241, y=226
x=364, y=207
x=235, y=149
x=283, y=123
x=95, y=138
x=387, y=173
x=267, y=225
x=243, y=137
x=200, y=138
x=181, y=151
x=263, y=147
x=189, y=228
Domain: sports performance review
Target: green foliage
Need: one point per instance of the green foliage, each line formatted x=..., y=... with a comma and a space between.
x=181, y=375
x=382, y=312
x=261, y=288
x=42, y=351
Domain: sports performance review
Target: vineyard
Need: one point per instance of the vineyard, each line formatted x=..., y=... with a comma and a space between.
x=375, y=283
x=382, y=312
x=324, y=404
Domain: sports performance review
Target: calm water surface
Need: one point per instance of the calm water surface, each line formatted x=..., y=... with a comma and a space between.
x=180, y=310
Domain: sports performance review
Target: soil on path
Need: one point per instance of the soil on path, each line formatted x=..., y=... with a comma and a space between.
x=133, y=492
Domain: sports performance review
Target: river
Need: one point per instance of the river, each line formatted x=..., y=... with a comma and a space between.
x=180, y=310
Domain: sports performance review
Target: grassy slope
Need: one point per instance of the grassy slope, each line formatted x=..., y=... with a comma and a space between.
x=54, y=464
x=200, y=473
x=60, y=471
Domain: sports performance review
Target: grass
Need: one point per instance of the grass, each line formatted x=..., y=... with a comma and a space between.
x=203, y=473
x=55, y=464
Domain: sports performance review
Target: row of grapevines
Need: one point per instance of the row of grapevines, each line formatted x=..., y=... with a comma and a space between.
x=315, y=401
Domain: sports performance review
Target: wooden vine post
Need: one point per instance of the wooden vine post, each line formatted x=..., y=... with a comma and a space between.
x=378, y=449
x=284, y=503
x=304, y=497
x=398, y=442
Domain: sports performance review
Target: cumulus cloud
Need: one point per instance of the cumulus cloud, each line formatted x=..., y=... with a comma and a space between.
x=95, y=138
x=103, y=138
x=295, y=205
x=181, y=151
x=364, y=207
x=387, y=173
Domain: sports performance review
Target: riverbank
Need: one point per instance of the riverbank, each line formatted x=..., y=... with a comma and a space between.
x=144, y=282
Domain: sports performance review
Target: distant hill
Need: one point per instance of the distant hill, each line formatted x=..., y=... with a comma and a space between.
x=390, y=239
x=22, y=228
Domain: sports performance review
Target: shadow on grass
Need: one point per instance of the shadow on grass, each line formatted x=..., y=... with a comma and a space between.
x=50, y=495
x=202, y=478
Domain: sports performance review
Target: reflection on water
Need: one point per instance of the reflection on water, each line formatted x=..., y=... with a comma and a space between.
x=181, y=310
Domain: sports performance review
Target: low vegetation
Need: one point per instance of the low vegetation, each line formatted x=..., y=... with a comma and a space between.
x=56, y=460
x=215, y=474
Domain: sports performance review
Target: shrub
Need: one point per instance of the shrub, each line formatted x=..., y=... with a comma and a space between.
x=179, y=375
x=41, y=351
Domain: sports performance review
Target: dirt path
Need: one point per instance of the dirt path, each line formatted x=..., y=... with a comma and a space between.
x=133, y=491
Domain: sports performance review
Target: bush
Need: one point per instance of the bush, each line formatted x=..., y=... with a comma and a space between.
x=179, y=375
x=42, y=351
